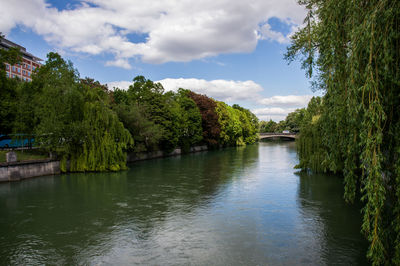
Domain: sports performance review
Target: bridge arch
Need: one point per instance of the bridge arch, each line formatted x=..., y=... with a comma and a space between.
x=277, y=135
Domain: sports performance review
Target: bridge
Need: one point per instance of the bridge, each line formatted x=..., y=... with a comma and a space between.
x=277, y=135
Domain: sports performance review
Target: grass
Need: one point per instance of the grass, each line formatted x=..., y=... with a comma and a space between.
x=24, y=155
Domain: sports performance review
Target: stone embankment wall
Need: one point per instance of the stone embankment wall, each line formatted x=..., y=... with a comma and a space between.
x=20, y=170
x=133, y=157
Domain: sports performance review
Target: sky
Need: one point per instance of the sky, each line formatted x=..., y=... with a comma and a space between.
x=230, y=50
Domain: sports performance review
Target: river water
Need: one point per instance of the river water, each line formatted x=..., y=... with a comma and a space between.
x=237, y=206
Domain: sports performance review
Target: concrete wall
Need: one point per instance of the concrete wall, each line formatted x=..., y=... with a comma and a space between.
x=21, y=170
x=133, y=157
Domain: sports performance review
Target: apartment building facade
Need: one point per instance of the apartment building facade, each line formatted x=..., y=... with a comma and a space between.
x=24, y=69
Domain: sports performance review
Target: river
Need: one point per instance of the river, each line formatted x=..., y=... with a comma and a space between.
x=237, y=206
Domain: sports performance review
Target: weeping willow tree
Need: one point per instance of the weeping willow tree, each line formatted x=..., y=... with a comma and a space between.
x=75, y=120
x=352, y=49
x=104, y=140
x=310, y=146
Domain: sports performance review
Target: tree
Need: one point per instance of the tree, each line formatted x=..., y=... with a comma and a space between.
x=160, y=107
x=310, y=145
x=144, y=131
x=267, y=127
x=231, y=130
x=191, y=131
x=8, y=89
x=352, y=51
x=249, y=123
x=104, y=140
x=75, y=119
x=294, y=119
x=158, y=120
x=209, y=118
x=24, y=120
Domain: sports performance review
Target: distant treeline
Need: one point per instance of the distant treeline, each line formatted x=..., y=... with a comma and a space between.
x=291, y=123
x=93, y=127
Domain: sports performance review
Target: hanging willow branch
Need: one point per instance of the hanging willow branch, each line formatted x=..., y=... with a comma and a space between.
x=355, y=49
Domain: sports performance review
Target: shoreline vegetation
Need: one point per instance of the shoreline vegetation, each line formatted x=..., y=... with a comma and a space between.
x=352, y=51
x=93, y=128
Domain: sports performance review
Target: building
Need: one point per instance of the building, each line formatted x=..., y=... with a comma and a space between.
x=24, y=69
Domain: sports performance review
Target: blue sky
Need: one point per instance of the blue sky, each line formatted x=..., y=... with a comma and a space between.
x=230, y=50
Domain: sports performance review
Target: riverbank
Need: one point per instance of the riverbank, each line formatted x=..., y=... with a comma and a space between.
x=19, y=170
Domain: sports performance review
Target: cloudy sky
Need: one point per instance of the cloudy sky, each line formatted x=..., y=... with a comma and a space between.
x=231, y=50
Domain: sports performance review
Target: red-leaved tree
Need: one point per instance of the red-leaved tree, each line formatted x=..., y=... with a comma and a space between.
x=209, y=118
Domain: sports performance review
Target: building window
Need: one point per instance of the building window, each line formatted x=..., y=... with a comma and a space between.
x=29, y=73
x=29, y=67
x=7, y=74
x=23, y=72
x=18, y=70
x=33, y=68
x=8, y=67
x=13, y=75
x=13, y=68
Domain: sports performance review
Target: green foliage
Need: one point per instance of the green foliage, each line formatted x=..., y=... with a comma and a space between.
x=238, y=125
x=224, y=125
x=209, y=119
x=267, y=126
x=145, y=132
x=249, y=123
x=8, y=90
x=310, y=145
x=191, y=132
x=294, y=120
x=75, y=120
x=291, y=123
x=231, y=130
x=8, y=102
x=158, y=120
x=91, y=128
x=161, y=109
x=354, y=47
x=58, y=103
x=24, y=120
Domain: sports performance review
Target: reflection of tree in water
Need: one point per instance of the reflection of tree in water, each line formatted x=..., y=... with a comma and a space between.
x=69, y=213
x=321, y=203
x=221, y=166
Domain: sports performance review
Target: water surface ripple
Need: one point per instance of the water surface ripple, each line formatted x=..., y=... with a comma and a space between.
x=237, y=206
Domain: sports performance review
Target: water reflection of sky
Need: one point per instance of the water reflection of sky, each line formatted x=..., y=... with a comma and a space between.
x=239, y=206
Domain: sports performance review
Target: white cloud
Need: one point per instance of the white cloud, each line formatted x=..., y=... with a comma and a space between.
x=274, y=113
x=124, y=63
x=123, y=85
x=222, y=90
x=176, y=30
x=266, y=33
x=289, y=100
x=278, y=107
